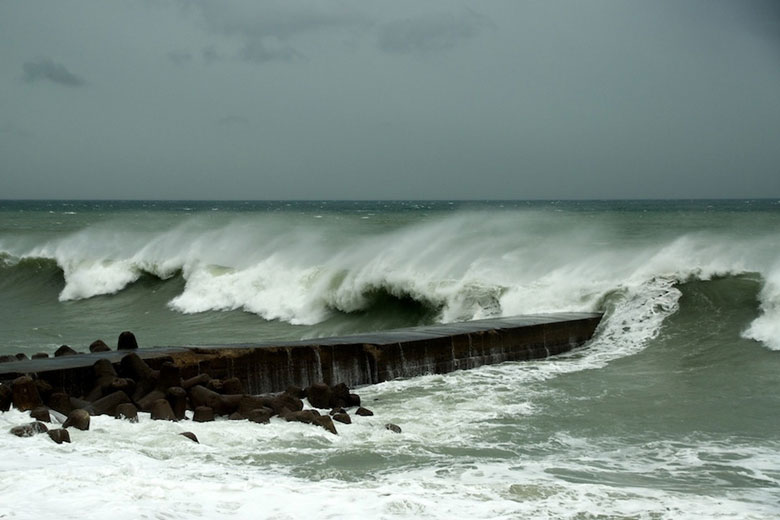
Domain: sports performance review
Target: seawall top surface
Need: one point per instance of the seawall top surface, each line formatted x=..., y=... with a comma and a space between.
x=385, y=337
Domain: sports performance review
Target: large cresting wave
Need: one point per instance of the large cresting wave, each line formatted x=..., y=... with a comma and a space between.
x=463, y=266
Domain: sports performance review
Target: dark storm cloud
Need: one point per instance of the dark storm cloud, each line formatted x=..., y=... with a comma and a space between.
x=267, y=30
x=430, y=32
x=233, y=121
x=180, y=57
x=44, y=69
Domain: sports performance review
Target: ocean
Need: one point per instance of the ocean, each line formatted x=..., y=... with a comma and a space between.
x=671, y=411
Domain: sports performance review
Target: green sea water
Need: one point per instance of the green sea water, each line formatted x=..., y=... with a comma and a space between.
x=671, y=411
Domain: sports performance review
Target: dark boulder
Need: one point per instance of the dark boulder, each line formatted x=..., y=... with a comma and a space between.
x=107, y=405
x=319, y=395
x=127, y=411
x=126, y=341
x=364, y=412
x=200, y=379
x=99, y=346
x=44, y=389
x=7, y=359
x=59, y=435
x=191, y=436
x=161, y=411
x=170, y=375
x=393, y=427
x=354, y=400
x=21, y=356
x=251, y=402
x=203, y=414
x=215, y=385
x=304, y=416
x=236, y=416
x=325, y=421
x=232, y=386
x=339, y=395
x=60, y=402
x=136, y=367
x=336, y=410
x=40, y=355
x=5, y=397
x=221, y=404
x=342, y=418
x=295, y=391
x=78, y=418
x=177, y=397
x=25, y=394
x=41, y=413
x=259, y=415
x=64, y=350
x=28, y=430
x=146, y=402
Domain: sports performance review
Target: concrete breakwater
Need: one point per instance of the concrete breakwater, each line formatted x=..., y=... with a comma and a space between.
x=353, y=360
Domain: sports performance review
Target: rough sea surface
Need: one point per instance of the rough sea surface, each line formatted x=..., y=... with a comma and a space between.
x=672, y=411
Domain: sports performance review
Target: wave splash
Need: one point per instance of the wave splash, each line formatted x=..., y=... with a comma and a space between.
x=462, y=266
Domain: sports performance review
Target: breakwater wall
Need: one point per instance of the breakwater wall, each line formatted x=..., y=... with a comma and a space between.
x=355, y=360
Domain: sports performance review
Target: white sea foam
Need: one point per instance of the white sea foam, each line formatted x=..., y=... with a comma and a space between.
x=466, y=266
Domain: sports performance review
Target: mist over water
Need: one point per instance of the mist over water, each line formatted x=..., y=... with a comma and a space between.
x=669, y=412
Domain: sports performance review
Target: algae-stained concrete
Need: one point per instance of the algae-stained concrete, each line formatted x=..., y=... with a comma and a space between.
x=354, y=360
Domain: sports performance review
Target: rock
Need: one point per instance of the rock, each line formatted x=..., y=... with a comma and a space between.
x=99, y=346
x=21, y=356
x=289, y=401
x=146, y=402
x=251, y=402
x=232, y=386
x=60, y=402
x=260, y=415
x=105, y=375
x=342, y=418
x=28, y=430
x=200, y=379
x=64, y=350
x=336, y=410
x=339, y=395
x=236, y=416
x=326, y=422
x=41, y=413
x=191, y=436
x=304, y=416
x=170, y=376
x=107, y=405
x=59, y=435
x=126, y=341
x=215, y=385
x=127, y=411
x=5, y=398
x=364, y=412
x=203, y=414
x=78, y=418
x=177, y=397
x=135, y=366
x=354, y=400
x=221, y=404
x=44, y=389
x=161, y=411
x=295, y=391
x=393, y=427
x=25, y=394
x=319, y=395
x=40, y=355
x=7, y=359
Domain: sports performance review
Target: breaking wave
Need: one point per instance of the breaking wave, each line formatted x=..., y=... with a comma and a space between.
x=456, y=267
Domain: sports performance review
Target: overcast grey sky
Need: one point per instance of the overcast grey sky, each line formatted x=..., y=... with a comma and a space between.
x=416, y=99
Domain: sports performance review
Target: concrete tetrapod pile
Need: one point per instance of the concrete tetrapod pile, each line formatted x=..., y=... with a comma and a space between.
x=135, y=387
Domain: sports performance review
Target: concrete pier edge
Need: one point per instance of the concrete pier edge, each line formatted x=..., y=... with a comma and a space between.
x=355, y=360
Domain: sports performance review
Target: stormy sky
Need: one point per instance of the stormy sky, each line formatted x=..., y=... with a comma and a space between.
x=361, y=99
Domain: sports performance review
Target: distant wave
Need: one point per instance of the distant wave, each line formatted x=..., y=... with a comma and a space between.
x=457, y=267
